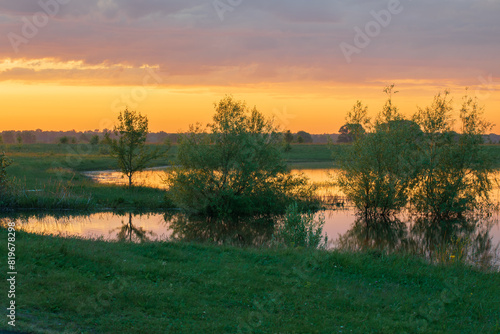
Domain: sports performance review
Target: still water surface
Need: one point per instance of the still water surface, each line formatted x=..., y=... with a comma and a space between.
x=341, y=226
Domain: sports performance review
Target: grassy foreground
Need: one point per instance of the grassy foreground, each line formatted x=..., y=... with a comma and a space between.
x=79, y=286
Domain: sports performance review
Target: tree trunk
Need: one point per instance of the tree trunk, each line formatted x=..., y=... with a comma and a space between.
x=130, y=180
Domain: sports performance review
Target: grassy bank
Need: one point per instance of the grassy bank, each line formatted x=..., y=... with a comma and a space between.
x=78, y=286
x=312, y=156
x=329, y=156
x=49, y=176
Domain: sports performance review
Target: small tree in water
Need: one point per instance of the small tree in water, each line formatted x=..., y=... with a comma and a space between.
x=234, y=165
x=129, y=148
x=299, y=229
x=442, y=174
x=376, y=172
x=454, y=169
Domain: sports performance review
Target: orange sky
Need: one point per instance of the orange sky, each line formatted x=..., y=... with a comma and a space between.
x=316, y=109
x=171, y=61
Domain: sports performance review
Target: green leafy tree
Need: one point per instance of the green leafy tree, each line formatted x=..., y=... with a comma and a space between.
x=28, y=137
x=358, y=115
x=443, y=174
x=106, y=143
x=4, y=163
x=129, y=148
x=94, y=140
x=64, y=140
x=288, y=140
x=288, y=137
x=304, y=137
x=454, y=169
x=106, y=140
x=357, y=119
x=234, y=166
x=299, y=229
x=348, y=132
x=377, y=172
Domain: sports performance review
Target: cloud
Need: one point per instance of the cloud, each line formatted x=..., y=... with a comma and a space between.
x=258, y=40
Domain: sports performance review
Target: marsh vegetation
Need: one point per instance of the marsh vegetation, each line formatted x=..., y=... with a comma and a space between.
x=412, y=188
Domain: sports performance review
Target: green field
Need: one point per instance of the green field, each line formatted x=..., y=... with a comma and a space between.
x=91, y=286
x=82, y=286
x=48, y=176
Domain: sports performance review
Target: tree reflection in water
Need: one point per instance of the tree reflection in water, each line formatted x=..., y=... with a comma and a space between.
x=246, y=231
x=129, y=232
x=466, y=240
x=374, y=232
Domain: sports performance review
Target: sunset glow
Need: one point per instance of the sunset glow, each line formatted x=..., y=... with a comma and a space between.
x=75, y=64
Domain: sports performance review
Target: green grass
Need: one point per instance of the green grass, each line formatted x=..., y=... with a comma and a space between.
x=314, y=156
x=47, y=176
x=55, y=169
x=81, y=286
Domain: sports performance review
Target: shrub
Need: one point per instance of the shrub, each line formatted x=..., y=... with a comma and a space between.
x=298, y=229
x=4, y=163
x=234, y=166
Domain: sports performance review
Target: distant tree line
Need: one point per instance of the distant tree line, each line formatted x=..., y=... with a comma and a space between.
x=74, y=137
x=345, y=135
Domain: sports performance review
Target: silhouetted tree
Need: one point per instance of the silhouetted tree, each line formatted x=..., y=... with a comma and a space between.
x=64, y=140
x=4, y=163
x=94, y=140
x=348, y=132
x=453, y=169
x=288, y=137
x=129, y=148
x=306, y=137
x=288, y=140
x=234, y=165
x=377, y=172
x=28, y=137
x=9, y=137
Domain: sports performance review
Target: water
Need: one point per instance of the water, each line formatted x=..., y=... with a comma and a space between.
x=156, y=226
x=152, y=177
x=342, y=227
